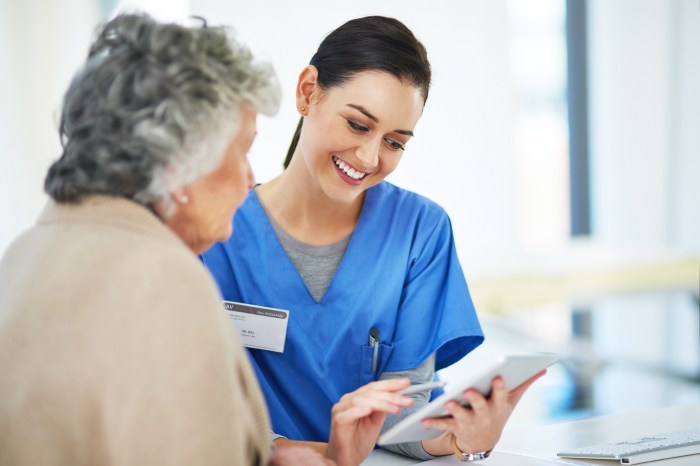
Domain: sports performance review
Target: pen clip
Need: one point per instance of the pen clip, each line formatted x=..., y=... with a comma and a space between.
x=373, y=336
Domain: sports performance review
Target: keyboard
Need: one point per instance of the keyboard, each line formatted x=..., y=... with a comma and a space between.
x=643, y=449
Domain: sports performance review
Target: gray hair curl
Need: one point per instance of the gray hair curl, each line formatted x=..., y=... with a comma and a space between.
x=153, y=109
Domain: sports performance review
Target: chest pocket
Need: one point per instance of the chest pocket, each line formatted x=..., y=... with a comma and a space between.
x=367, y=360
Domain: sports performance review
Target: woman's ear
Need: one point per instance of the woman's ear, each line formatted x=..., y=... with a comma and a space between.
x=179, y=195
x=306, y=86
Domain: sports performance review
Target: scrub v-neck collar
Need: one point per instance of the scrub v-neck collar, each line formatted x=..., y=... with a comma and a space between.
x=351, y=261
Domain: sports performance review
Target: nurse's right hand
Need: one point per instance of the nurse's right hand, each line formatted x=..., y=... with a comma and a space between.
x=358, y=417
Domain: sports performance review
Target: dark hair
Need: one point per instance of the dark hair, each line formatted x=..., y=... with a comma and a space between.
x=365, y=44
x=154, y=100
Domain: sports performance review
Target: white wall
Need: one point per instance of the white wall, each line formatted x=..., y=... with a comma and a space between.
x=645, y=115
x=630, y=110
x=685, y=144
x=41, y=45
x=645, y=155
x=644, y=110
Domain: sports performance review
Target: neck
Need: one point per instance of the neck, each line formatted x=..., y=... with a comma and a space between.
x=302, y=209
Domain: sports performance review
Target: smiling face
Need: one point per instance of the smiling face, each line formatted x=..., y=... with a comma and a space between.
x=354, y=135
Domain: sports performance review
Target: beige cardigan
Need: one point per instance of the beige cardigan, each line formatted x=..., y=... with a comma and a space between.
x=114, y=348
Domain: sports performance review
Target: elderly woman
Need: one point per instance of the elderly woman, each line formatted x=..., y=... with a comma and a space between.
x=114, y=347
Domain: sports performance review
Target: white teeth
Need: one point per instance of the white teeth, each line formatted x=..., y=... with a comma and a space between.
x=351, y=172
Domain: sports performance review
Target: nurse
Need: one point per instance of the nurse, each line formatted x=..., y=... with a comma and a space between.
x=368, y=270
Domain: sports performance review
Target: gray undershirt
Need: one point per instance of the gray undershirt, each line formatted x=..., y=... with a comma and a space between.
x=317, y=266
x=421, y=374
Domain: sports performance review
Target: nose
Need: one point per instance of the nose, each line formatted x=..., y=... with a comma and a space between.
x=368, y=153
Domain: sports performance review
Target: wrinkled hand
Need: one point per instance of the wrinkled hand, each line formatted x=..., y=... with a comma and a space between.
x=358, y=417
x=298, y=455
x=479, y=426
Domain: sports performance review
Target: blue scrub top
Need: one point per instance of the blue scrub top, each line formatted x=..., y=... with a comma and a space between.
x=400, y=274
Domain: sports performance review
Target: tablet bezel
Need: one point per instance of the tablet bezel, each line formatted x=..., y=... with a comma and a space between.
x=514, y=368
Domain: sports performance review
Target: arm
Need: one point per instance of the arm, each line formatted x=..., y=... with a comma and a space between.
x=355, y=422
x=425, y=372
x=283, y=442
x=298, y=455
x=358, y=417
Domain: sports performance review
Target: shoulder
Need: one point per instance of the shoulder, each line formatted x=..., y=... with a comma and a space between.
x=406, y=205
x=175, y=274
x=251, y=206
x=249, y=218
x=121, y=251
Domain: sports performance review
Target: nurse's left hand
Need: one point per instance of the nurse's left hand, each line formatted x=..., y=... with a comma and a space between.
x=477, y=428
x=358, y=417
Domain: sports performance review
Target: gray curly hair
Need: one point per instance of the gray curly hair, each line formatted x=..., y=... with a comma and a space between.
x=154, y=108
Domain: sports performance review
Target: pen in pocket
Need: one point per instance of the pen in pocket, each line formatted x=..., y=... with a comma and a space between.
x=374, y=342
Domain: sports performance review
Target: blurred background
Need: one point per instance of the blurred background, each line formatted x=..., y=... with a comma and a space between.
x=562, y=137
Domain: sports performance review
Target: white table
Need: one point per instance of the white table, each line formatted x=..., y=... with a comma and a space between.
x=537, y=446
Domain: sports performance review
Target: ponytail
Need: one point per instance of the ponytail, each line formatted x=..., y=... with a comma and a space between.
x=293, y=144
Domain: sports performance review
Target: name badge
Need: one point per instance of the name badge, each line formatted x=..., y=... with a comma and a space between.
x=259, y=327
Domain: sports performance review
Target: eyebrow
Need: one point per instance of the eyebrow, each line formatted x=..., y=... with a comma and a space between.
x=366, y=113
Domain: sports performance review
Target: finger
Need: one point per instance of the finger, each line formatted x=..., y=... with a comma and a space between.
x=440, y=423
x=499, y=393
x=377, y=403
x=374, y=401
x=461, y=414
x=477, y=402
x=391, y=397
x=532, y=379
x=387, y=398
x=350, y=415
x=388, y=385
x=518, y=391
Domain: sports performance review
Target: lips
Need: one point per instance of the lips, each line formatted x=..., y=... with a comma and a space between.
x=348, y=170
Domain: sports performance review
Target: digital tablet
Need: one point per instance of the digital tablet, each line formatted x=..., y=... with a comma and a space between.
x=514, y=368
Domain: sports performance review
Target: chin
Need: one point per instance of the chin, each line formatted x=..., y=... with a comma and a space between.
x=342, y=193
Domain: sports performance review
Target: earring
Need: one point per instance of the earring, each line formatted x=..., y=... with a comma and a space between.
x=303, y=109
x=184, y=199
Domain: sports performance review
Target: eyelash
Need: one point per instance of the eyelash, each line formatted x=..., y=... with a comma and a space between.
x=357, y=127
x=393, y=144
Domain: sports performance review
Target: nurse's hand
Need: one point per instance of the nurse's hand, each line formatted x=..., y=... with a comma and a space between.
x=478, y=427
x=357, y=418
